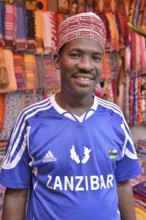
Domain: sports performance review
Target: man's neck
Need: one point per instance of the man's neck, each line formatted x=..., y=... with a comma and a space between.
x=76, y=105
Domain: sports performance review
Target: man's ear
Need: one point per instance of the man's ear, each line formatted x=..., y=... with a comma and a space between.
x=56, y=61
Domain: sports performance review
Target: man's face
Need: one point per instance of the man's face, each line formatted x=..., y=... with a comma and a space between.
x=80, y=64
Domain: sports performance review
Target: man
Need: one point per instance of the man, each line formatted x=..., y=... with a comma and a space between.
x=72, y=153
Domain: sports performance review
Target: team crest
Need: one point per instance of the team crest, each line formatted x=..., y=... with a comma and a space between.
x=74, y=156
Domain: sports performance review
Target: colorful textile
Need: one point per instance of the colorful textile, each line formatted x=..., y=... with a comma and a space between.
x=89, y=6
x=9, y=26
x=9, y=63
x=31, y=45
x=139, y=100
x=30, y=68
x=51, y=77
x=113, y=31
x=50, y=39
x=140, y=214
x=21, y=34
x=86, y=25
x=4, y=78
x=31, y=5
x=19, y=3
x=73, y=7
x=81, y=6
x=39, y=31
x=2, y=23
x=108, y=46
x=106, y=71
x=42, y=5
x=63, y=6
x=40, y=72
x=53, y=5
x=123, y=28
x=2, y=110
x=59, y=19
x=19, y=71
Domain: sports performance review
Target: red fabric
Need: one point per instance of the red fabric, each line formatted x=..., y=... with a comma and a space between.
x=86, y=25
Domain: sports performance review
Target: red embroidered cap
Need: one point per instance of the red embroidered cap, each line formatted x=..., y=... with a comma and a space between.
x=88, y=25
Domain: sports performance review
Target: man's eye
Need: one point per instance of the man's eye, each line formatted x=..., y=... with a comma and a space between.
x=97, y=57
x=75, y=55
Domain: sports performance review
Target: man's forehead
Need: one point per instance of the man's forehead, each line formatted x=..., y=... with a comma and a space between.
x=84, y=44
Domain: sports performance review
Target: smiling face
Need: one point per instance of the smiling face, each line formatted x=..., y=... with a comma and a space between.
x=80, y=64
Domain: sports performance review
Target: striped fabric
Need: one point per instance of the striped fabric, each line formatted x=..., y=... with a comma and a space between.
x=19, y=71
x=9, y=26
x=21, y=34
x=30, y=69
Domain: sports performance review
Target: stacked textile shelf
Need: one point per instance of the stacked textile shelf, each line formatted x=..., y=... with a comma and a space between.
x=2, y=151
x=139, y=183
x=2, y=189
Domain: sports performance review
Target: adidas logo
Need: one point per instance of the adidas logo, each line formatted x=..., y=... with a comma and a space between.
x=49, y=157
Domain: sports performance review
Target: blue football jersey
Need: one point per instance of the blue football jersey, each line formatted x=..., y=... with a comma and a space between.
x=72, y=164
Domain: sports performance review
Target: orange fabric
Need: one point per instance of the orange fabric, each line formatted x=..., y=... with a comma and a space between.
x=30, y=68
x=81, y=6
x=73, y=7
x=63, y=6
x=39, y=31
x=60, y=18
x=2, y=110
x=96, y=6
x=140, y=214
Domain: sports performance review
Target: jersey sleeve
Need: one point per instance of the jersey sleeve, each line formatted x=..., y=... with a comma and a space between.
x=128, y=166
x=16, y=172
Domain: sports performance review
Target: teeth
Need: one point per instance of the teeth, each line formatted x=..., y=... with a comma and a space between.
x=83, y=79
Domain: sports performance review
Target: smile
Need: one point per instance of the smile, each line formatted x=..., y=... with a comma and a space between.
x=83, y=78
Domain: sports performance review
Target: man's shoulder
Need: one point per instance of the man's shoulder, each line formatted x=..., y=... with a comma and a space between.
x=109, y=105
x=110, y=108
x=35, y=108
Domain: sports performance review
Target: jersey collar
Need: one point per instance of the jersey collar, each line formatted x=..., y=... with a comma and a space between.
x=73, y=116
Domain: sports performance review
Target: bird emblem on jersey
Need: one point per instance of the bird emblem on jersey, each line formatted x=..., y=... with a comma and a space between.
x=74, y=156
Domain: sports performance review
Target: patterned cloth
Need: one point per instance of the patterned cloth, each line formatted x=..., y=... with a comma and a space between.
x=86, y=25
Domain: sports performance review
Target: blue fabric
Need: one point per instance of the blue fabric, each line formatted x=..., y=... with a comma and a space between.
x=73, y=165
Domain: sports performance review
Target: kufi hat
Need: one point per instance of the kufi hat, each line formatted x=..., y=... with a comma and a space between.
x=87, y=25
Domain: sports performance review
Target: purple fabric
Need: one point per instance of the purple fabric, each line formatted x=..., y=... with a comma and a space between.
x=21, y=22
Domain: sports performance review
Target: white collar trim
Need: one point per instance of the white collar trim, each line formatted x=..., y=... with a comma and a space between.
x=69, y=115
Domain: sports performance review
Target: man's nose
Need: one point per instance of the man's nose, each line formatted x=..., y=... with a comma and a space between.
x=85, y=63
